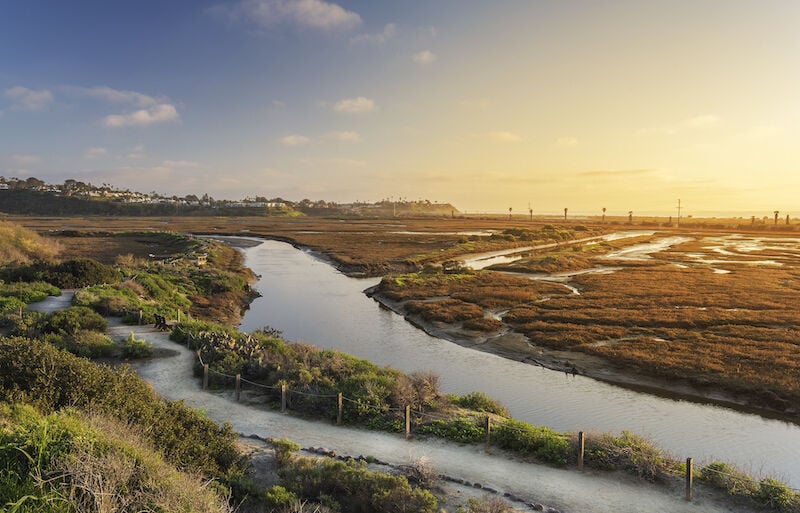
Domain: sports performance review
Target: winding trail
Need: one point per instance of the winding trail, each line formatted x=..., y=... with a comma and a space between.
x=566, y=490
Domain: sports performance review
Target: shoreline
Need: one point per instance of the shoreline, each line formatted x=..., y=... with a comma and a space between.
x=515, y=346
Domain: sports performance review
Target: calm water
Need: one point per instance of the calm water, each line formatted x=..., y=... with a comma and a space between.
x=310, y=301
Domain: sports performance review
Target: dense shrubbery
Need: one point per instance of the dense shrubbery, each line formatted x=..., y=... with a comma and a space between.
x=478, y=401
x=37, y=373
x=67, y=461
x=540, y=442
x=348, y=486
x=71, y=274
x=134, y=347
x=28, y=292
x=766, y=492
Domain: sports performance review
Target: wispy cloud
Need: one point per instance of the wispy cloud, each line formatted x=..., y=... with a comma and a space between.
x=693, y=123
x=137, y=152
x=294, y=140
x=31, y=100
x=315, y=14
x=424, y=57
x=355, y=105
x=118, y=96
x=26, y=160
x=389, y=32
x=160, y=113
x=345, y=136
x=180, y=164
x=95, y=153
x=621, y=173
x=504, y=137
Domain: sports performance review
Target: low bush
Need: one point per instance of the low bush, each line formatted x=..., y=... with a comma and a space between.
x=134, y=347
x=630, y=452
x=540, y=442
x=28, y=292
x=463, y=429
x=351, y=487
x=71, y=274
x=726, y=477
x=478, y=401
x=72, y=320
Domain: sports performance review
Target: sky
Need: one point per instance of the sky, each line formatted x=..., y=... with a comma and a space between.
x=488, y=105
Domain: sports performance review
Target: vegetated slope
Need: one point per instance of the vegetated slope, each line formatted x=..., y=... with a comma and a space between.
x=20, y=245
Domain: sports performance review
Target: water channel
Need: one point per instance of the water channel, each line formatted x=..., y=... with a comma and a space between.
x=310, y=301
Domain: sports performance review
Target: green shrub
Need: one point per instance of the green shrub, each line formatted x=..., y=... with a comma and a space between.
x=90, y=344
x=134, y=347
x=277, y=497
x=463, y=429
x=284, y=449
x=72, y=274
x=726, y=477
x=73, y=319
x=29, y=292
x=11, y=304
x=774, y=494
x=353, y=488
x=478, y=401
x=541, y=442
x=629, y=452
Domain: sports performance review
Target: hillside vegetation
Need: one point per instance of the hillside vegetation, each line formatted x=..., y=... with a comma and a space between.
x=20, y=245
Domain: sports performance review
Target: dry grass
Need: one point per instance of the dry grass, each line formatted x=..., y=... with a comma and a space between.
x=20, y=245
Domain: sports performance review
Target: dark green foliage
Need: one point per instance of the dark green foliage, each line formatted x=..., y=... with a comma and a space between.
x=774, y=494
x=10, y=304
x=134, y=347
x=39, y=374
x=71, y=274
x=28, y=292
x=73, y=319
x=478, y=401
x=629, y=452
x=541, y=442
x=463, y=429
x=353, y=488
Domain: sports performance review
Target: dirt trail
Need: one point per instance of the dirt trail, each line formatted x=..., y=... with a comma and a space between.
x=565, y=490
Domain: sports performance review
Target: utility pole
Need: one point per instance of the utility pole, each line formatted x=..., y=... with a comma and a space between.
x=679, y=212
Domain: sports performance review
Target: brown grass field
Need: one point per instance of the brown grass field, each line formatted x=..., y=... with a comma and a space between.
x=717, y=311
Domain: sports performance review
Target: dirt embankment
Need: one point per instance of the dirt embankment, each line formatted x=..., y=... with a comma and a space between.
x=516, y=346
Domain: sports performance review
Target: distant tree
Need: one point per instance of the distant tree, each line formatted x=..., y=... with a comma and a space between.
x=604, y=215
x=565, y=213
x=630, y=216
x=776, y=217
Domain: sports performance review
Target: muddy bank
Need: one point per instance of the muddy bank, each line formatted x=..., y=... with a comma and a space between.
x=515, y=346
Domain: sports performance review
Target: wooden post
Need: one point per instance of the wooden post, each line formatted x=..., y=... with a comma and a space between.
x=238, y=386
x=140, y=317
x=179, y=316
x=205, y=376
x=283, y=398
x=20, y=311
x=488, y=431
x=581, y=443
x=408, y=421
x=339, y=408
x=689, y=479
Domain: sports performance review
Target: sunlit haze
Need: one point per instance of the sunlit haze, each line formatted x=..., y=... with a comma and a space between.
x=487, y=105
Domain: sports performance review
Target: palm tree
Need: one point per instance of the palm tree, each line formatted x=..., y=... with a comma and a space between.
x=509, y=213
x=565, y=213
x=630, y=216
x=776, y=217
x=604, y=215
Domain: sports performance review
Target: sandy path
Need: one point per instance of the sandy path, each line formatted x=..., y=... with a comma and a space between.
x=566, y=490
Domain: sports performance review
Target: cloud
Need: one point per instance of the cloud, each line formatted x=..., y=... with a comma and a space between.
x=424, y=57
x=95, y=153
x=355, y=105
x=338, y=163
x=26, y=99
x=26, y=160
x=294, y=140
x=706, y=120
x=702, y=121
x=160, y=113
x=621, y=173
x=119, y=96
x=566, y=142
x=180, y=164
x=315, y=14
x=504, y=137
x=137, y=152
x=389, y=32
x=345, y=136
